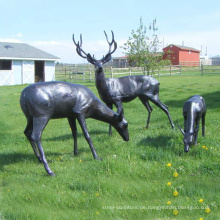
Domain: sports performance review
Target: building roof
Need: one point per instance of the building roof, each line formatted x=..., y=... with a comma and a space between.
x=216, y=57
x=183, y=47
x=23, y=51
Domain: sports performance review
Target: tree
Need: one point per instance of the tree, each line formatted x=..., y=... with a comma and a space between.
x=142, y=48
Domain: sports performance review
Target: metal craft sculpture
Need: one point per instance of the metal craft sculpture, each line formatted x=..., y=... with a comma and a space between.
x=193, y=110
x=43, y=101
x=114, y=91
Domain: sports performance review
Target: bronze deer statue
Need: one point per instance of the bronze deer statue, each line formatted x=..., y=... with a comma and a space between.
x=114, y=91
x=43, y=101
x=193, y=110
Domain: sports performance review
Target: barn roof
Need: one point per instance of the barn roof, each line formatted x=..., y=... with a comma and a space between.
x=184, y=47
x=23, y=51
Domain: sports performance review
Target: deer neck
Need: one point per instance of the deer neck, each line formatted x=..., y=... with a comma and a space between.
x=190, y=122
x=103, y=113
x=101, y=84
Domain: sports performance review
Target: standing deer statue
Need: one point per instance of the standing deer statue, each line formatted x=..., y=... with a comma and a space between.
x=114, y=91
x=193, y=110
x=43, y=101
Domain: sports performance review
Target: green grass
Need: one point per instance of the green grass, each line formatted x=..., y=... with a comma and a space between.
x=131, y=181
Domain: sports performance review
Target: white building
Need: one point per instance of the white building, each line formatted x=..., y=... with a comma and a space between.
x=21, y=63
x=205, y=60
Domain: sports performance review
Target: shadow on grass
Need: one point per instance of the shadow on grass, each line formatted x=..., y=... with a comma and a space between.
x=80, y=134
x=212, y=101
x=11, y=158
x=156, y=142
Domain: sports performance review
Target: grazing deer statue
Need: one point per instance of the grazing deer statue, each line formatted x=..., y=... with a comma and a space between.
x=124, y=89
x=43, y=101
x=193, y=110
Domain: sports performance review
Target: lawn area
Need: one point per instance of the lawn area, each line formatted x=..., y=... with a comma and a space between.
x=149, y=177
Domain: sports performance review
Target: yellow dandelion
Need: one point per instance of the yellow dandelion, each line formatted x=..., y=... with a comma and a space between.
x=80, y=160
x=201, y=200
x=207, y=210
x=206, y=148
x=169, y=165
x=169, y=184
x=9, y=190
x=203, y=146
x=169, y=203
x=97, y=194
x=201, y=218
x=176, y=174
x=175, y=212
x=175, y=193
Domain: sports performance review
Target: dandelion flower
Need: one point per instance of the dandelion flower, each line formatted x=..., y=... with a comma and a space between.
x=169, y=203
x=203, y=146
x=169, y=165
x=169, y=184
x=207, y=210
x=175, y=193
x=97, y=194
x=201, y=200
x=201, y=218
x=176, y=174
x=175, y=212
x=80, y=160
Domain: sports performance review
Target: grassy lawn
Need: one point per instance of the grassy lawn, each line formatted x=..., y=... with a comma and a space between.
x=149, y=177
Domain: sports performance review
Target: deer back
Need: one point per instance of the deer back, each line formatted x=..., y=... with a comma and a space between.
x=56, y=99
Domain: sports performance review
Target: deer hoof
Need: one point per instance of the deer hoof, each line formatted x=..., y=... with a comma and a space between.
x=98, y=158
x=51, y=173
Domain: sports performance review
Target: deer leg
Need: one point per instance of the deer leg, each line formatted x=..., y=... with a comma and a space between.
x=72, y=123
x=196, y=132
x=110, y=127
x=82, y=122
x=120, y=109
x=28, y=131
x=38, y=127
x=203, y=125
x=146, y=103
x=185, y=121
x=163, y=107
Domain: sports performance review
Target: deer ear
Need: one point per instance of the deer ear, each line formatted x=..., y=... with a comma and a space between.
x=119, y=117
x=181, y=130
x=90, y=59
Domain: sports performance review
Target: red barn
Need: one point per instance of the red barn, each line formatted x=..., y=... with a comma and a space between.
x=181, y=55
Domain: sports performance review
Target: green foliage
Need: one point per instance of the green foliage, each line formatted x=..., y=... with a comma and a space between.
x=131, y=180
x=142, y=48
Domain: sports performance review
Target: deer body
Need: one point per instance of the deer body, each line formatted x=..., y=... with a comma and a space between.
x=194, y=109
x=115, y=91
x=43, y=101
x=124, y=89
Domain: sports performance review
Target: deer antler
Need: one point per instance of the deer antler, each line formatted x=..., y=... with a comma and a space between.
x=111, y=43
x=108, y=57
x=79, y=49
x=91, y=59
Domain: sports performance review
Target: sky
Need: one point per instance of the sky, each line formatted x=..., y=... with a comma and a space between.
x=49, y=25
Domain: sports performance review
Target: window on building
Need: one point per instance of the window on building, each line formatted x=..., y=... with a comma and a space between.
x=5, y=64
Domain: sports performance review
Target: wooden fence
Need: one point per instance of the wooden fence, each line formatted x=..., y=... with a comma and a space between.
x=86, y=73
x=205, y=69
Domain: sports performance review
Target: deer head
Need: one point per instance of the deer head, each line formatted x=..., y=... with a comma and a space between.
x=91, y=59
x=188, y=139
